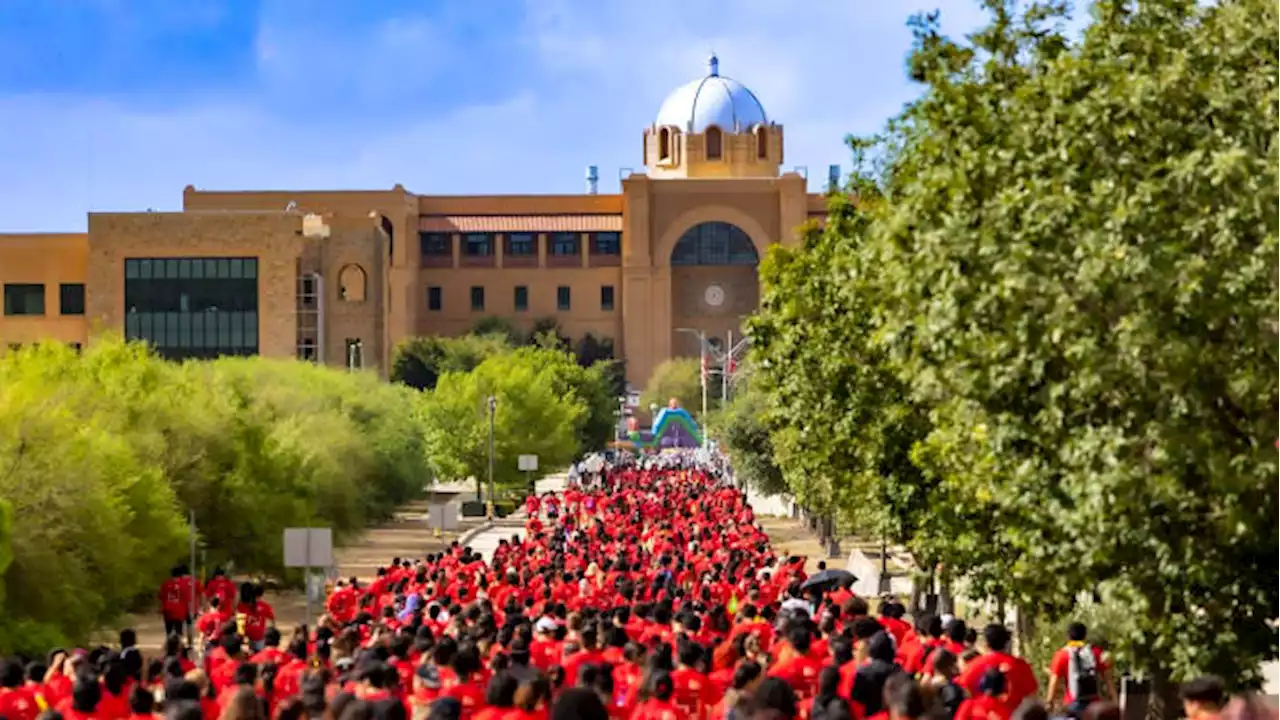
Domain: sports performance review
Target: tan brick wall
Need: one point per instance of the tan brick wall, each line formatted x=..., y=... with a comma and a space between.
x=353, y=242
x=273, y=238
x=50, y=260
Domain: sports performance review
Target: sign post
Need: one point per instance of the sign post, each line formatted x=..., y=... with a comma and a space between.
x=529, y=463
x=307, y=548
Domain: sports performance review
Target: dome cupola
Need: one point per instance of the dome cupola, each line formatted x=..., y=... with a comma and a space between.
x=713, y=127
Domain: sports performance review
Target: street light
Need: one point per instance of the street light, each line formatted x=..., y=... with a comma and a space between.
x=702, y=367
x=493, y=406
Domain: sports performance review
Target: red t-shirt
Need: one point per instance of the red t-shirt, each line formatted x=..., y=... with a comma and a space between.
x=1061, y=665
x=18, y=704
x=1020, y=680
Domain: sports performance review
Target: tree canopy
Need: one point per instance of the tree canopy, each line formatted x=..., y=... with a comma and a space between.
x=1050, y=322
x=677, y=378
x=103, y=455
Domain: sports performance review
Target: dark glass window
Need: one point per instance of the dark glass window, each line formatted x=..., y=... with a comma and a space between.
x=192, y=307
x=714, y=243
x=436, y=244
x=435, y=297
x=478, y=244
x=564, y=244
x=606, y=297
x=71, y=298
x=23, y=299
x=522, y=244
x=606, y=243
x=522, y=298
x=562, y=297
x=477, y=298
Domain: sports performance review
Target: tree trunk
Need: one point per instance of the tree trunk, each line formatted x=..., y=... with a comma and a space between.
x=1163, y=702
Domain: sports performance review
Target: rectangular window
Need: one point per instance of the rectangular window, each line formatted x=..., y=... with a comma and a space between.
x=562, y=297
x=435, y=298
x=71, y=298
x=355, y=353
x=477, y=298
x=478, y=244
x=606, y=297
x=522, y=298
x=192, y=307
x=307, y=350
x=522, y=245
x=606, y=243
x=436, y=244
x=23, y=299
x=564, y=244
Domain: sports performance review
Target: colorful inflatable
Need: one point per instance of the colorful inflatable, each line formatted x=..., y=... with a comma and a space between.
x=673, y=428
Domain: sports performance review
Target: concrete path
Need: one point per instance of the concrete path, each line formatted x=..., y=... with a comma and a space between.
x=484, y=540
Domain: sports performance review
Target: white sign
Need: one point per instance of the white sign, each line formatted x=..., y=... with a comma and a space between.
x=308, y=547
x=443, y=517
x=528, y=462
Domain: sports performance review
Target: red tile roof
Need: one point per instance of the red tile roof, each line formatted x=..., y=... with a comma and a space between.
x=520, y=223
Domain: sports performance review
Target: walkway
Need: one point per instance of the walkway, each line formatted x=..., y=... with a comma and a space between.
x=485, y=540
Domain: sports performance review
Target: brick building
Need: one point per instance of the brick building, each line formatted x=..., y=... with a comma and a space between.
x=341, y=277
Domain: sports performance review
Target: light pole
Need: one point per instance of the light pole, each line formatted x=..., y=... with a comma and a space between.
x=702, y=367
x=493, y=406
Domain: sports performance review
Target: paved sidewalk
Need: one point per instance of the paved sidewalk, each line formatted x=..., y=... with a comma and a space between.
x=485, y=540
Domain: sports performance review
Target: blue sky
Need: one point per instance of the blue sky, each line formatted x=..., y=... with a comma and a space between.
x=118, y=104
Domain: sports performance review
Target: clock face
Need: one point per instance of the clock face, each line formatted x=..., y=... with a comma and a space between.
x=714, y=296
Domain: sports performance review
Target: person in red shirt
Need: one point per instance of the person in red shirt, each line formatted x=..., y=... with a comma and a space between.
x=1019, y=679
x=800, y=670
x=587, y=654
x=221, y=587
x=82, y=704
x=693, y=693
x=660, y=705
x=141, y=704
x=1079, y=664
x=177, y=600
x=989, y=703
x=17, y=702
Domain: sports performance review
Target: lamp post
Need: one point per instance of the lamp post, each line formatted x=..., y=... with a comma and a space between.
x=702, y=368
x=493, y=406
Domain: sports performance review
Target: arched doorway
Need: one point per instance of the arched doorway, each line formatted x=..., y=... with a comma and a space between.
x=714, y=284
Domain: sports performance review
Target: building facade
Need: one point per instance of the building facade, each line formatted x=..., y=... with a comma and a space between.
x=341, y=277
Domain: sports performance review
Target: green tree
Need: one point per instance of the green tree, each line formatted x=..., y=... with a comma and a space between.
x=530, y=417
x=677, y=378
x=743, y=434
x=419, y=361
x=1079, y=261
x=493, y=325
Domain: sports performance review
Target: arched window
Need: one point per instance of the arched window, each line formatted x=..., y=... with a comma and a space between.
x=351, y=283
x=664, y=144
x=762, y=142
x=715, y=243
x=715, y=142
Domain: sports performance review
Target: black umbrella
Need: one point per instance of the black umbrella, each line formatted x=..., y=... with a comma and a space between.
x=828, y=579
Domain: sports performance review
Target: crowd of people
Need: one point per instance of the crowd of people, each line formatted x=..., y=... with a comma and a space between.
x=650, y=593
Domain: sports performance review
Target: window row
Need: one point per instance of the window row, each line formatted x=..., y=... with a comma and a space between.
x=191, y=285
x=28, y=299
x=713, y=143
x=560, y=244
x=177, y=335
x=520, y=298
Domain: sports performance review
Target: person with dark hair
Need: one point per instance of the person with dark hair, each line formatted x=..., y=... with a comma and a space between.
x=693, y=693
x=1203, y=698
x=869, y=680
x=83, y=703
x=184, y=710
x=1031, y=709
x=499, y=697
x=774, y=698
x=113, y=703
x=658, y=704
x=142, y=704
x=1020, y=679
x=1081, y=671
x=989, y=703
x=578, y=704
x=903, y=699
x=17, y=702
x=800, y=670
x=178, y=597
x=828, y=701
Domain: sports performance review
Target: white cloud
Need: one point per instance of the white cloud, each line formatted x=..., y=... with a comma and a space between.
x=596, y=75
